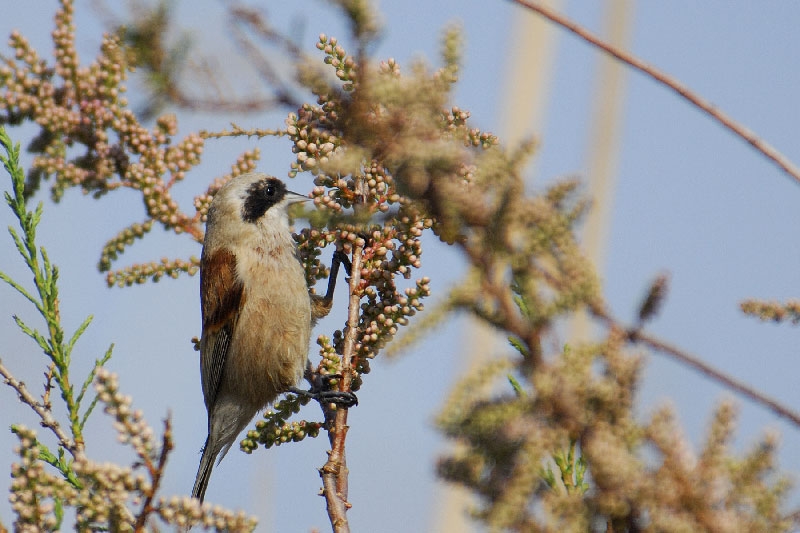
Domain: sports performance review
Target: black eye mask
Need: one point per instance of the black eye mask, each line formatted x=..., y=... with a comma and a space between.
x=262, y=195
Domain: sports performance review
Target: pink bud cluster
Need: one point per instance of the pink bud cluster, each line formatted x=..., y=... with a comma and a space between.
x=139, y=273
x=336, y=57
x=33, y=490
x=90, y=138
x=123, y=239
x=130, y=425
x=390, y=66
x=310, y=132
x=106, y=496
x=184, y=511
x=455, y=124
x=364, y=209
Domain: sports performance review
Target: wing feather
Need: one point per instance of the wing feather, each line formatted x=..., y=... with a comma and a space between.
x=222, y=296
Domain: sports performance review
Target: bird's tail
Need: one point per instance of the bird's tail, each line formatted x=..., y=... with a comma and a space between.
x=204, y=472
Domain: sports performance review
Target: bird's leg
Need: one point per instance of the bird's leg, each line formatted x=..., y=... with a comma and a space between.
x=340, y=398
x=321, y=305
x=321, y=390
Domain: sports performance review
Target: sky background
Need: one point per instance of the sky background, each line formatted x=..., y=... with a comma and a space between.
x=691, y=200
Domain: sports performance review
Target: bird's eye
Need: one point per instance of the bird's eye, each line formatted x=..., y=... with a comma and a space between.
x=260, y=196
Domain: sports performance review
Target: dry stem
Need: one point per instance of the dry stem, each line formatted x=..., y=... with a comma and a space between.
x=636, y=335
x=737, y=129
x=717, y=375
x=46, y=416
x=334, y=472
x=156, y=473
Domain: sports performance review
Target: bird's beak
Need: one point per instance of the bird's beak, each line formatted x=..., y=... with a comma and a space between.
x=294, y=198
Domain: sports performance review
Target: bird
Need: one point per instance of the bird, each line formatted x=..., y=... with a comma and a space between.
x=256, y=310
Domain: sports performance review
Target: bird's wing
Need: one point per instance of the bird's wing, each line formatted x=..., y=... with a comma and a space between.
x=222, y=296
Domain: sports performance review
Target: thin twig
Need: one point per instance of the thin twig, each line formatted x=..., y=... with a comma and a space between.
x=707, y=370
x=46, y=416
x=48, y=386
x=254, y=104
x=717, y=375
x=737, y=129
x=156, y=474
x=334, y=472
x=792, y=517
x=598, y=309
x=254, y=21
x=237, y=130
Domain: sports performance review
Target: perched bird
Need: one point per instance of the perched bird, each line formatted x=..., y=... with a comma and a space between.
x=256, y=309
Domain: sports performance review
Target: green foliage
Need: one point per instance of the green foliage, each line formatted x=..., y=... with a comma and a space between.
x=102, y=495
x=54, y=343
x=571, y=471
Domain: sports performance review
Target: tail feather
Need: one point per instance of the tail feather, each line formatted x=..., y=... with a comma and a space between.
x=203, y=473
x=227, y=420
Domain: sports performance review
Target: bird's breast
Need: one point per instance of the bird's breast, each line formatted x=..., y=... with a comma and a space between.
x=270, y=343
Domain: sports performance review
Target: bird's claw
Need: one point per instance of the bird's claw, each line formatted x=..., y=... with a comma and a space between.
x=345, y=399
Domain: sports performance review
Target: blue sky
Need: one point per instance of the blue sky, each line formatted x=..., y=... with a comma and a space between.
x=691, y=200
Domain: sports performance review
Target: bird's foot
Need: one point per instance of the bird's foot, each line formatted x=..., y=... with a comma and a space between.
x=345, y=399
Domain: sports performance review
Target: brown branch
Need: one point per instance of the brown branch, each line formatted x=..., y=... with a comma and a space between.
x=597, y=308
x=237, y=130
x=219, y=104
x=253, y=20
x=792, y=517
x=737, y=129
x=48, y=386
x=334, y=472
x=46, y=416
x=717, y=375
x=707, y=370
x=155, y=475
x=147, y=32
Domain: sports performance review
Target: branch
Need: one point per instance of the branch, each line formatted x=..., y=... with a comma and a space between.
x=712, y=373
x=253, y=21
x=334, y=472
x=46, y=417
x=156, y=473
x=237, y=130
x=717, y=375
x=737, y=129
